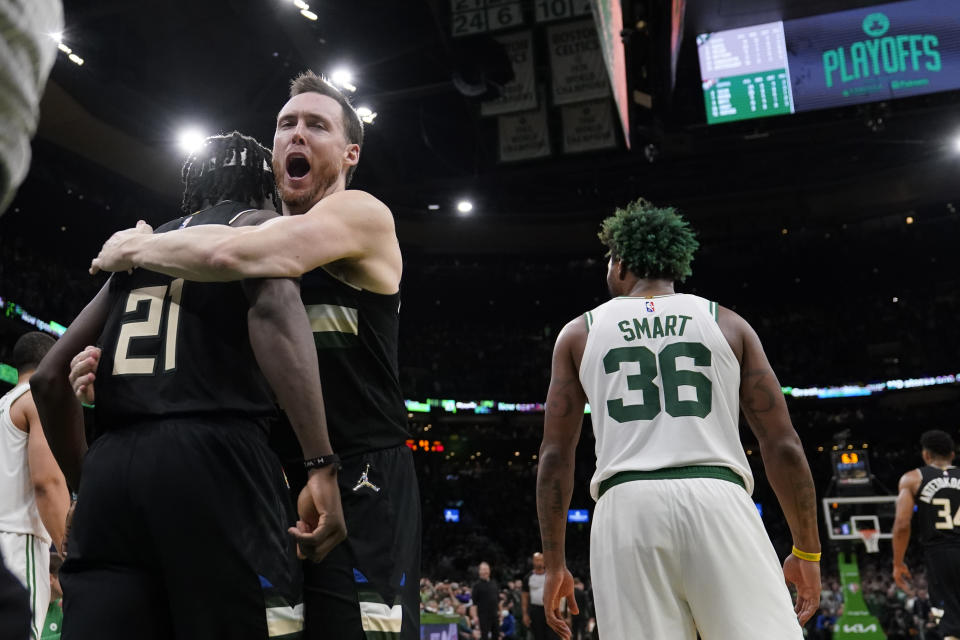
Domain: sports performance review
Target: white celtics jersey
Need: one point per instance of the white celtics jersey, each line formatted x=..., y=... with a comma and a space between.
x=18, y=502
x=663, y=386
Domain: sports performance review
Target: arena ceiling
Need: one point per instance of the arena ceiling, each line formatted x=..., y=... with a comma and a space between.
x=152, y=67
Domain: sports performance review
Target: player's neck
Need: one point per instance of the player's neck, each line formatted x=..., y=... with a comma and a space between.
x=23, y=378
x=941, y=464
x=336, y=187
x=644, y=288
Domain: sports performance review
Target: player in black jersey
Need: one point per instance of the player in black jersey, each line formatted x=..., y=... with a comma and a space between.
x=181, y=525
x=935, y=490
x=346, y=244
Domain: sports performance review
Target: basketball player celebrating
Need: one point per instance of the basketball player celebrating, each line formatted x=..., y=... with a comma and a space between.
x=677, y=544
x=346, y=244
x=33, y=493
x=935, y=490
x=180, y=528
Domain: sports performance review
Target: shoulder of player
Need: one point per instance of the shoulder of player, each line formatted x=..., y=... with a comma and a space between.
x=911, y=480
x=23, y=411
x=356, y=208
x=573, y=335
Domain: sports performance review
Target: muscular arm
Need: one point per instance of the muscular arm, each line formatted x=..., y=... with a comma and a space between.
x=58, y=409
x=762, y=401
x=49, y=485
x=346, y=225
x=563, y=418
x=909, y=484
x=282, y=342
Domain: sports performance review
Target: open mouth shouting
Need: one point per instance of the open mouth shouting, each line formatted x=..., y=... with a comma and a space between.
x=297, y=167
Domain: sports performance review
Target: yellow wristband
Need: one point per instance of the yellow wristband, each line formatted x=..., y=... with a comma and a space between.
x=803, y=555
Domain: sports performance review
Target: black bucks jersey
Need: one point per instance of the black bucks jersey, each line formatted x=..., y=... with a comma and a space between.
x=175, y=348
x=938, y=506
x=356, y=334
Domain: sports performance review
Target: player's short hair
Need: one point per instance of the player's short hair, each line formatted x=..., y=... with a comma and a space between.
x=653, y=242
x=29, y=350
x=939, y=443
x=228, y=167
x=309, y=82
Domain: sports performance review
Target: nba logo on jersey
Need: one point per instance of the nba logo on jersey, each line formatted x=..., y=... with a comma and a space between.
x=649, y=305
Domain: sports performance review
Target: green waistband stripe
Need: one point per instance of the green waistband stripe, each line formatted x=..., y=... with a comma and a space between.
x=673, y=473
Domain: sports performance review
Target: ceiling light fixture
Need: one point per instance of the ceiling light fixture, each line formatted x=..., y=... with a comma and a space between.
x=343, y=78
x=190, y=139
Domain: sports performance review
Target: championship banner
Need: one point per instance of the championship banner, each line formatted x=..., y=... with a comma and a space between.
x=588, y=127
x=524, y=136
x=520, y=94
x=576, y=63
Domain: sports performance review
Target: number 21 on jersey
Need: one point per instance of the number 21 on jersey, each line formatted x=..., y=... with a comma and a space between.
x=156, y=299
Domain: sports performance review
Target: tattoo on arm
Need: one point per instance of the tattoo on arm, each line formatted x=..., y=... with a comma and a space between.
x=560, y=403
x=759, y=398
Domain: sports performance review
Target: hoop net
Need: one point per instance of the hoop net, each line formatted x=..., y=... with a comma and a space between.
x=871, y=539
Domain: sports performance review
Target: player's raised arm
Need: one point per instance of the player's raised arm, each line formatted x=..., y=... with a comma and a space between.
x=59, y=410
x=762, y=401
x=346, y=225
x=909, y=484
x=563, y=418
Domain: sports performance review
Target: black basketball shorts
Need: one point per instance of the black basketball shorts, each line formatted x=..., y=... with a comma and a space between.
x=943, y=578
x=368, y=587
x=180, y=531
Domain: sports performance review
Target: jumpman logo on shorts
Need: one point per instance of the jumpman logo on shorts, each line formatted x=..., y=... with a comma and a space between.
x=365, y=482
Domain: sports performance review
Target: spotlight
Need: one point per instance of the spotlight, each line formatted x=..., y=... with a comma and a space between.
x=343, y=78
x=433, y=207
x=366, y=114
x=58, y=36
x=956, y=144
x=76, y=59
x=909, y=220
x=465, y=207
x=309, y=15
x=300, y=4
x=190, y=140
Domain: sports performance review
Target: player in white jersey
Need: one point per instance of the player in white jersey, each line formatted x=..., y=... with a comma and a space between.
x=677, y=545
x=33, y=492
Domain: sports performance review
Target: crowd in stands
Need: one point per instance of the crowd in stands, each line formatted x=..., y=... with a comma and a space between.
x=833, y=306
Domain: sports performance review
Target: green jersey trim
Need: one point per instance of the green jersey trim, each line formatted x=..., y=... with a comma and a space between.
x=673, y=473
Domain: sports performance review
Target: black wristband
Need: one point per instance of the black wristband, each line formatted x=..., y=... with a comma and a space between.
x=321, y=462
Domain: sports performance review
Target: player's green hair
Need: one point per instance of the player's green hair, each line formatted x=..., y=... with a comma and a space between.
x=653, y=242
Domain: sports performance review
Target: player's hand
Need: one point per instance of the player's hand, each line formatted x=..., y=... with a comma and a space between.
x=557, y=585
x=805, y=575
x=113, y=256
x=903, y=578
x=321, y=526
x=527, y=621
x=83, y=371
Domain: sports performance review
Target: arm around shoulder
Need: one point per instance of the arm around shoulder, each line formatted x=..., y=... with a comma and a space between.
x=349, y=225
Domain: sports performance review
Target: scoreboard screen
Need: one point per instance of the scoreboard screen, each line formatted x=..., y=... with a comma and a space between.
x=851, y=467
x=850, y=57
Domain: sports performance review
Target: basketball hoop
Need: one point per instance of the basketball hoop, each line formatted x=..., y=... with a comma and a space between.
x=871, y=539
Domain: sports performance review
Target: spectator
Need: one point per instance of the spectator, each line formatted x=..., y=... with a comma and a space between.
x=486, y=604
